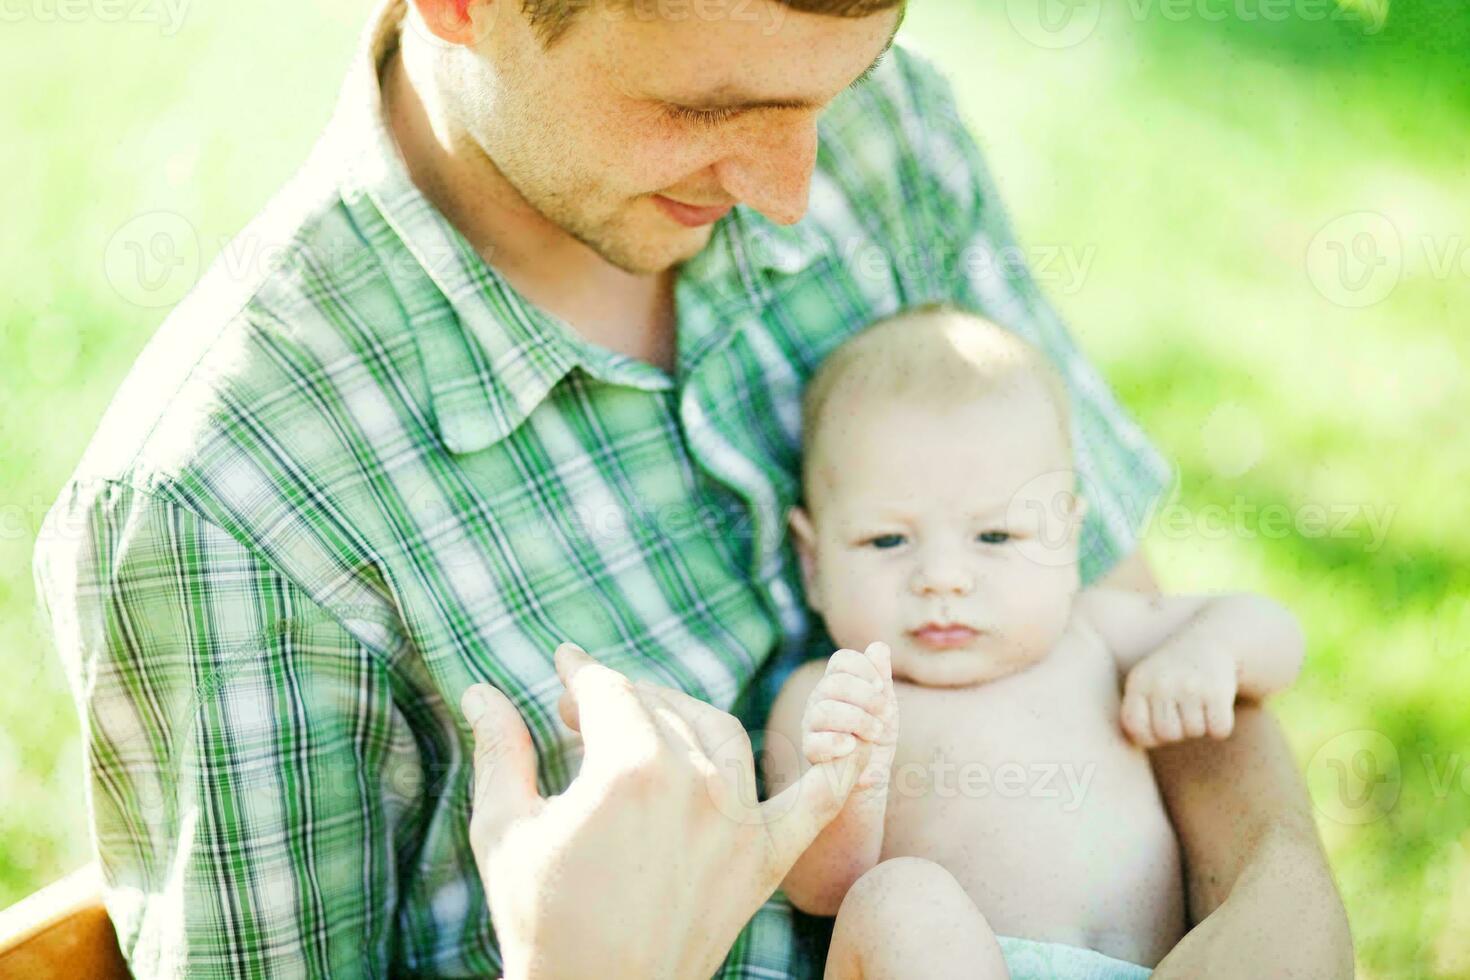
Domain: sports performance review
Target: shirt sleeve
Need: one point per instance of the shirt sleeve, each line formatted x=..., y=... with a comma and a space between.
x=981, y=267
x=242, y=747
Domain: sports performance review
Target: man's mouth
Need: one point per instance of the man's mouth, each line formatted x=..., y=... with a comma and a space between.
x=690, y=215
x=944, y=636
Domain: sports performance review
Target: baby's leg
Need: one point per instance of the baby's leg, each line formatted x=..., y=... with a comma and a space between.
x=907, y=918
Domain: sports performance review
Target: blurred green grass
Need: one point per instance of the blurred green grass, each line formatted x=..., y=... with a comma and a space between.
x=1188, y=157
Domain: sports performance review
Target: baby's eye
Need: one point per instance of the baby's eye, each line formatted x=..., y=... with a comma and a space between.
x=995, y=537
x=886, y=541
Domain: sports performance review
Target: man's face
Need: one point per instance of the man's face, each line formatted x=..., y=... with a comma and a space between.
x=636, y=110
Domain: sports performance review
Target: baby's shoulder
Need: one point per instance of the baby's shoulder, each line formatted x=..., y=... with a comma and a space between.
x=790, y=702
x=1083, y=645
x=804, y=676
x=1132, y=625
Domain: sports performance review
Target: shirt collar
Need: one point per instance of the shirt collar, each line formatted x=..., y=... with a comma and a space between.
x=489, y=356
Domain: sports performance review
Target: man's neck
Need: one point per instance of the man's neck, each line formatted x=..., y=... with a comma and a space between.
x=608, y=306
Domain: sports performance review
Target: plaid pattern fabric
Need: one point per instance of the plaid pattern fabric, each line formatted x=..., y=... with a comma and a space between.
x=333, y=494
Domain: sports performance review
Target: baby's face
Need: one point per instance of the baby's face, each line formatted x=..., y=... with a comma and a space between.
x=952, y=537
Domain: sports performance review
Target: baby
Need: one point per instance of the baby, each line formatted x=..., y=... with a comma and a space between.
x=1013, y=828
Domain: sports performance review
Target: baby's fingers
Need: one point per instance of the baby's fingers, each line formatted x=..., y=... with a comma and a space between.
x=1220, y=717
x=1165, y=715
x=881, y=657
x=819, y=747
x=846, y=661
x=839, y=716
x=1192, y=716
x=849, y=688
x=1136, y=723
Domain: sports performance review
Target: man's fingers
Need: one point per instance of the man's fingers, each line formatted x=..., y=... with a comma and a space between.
x=795, y=816
x=505, y=760
x=566, y=706
x=721, y=736
x=679, y=733
x=702, y=718
x=607, y=710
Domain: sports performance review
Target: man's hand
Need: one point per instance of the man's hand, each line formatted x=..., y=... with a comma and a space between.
x=1259, y=887
x=1260, y=891
x=853, y=709
x=656, y=855
x=1181, y=691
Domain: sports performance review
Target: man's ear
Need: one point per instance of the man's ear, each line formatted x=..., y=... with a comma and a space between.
x=463, y=22
x=804, y=538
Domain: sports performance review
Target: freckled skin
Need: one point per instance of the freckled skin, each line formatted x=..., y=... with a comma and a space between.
x=1086, y=855
x=1046, y=814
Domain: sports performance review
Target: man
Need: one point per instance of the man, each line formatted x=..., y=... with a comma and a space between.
x=528, y=371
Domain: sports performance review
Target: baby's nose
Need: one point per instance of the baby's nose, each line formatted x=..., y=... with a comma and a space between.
x=943, y=578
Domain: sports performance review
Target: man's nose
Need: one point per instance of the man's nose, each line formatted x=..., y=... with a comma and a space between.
x=771, y=169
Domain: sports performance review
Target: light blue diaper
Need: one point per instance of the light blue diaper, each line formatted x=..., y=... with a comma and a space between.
x=1028, y=959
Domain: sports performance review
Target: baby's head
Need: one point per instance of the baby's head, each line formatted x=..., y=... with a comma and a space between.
x=939, y=490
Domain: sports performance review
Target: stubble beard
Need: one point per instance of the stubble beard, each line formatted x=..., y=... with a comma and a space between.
x=612, y=231
x=625, y=231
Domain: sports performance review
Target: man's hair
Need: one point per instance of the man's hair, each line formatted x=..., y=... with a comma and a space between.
x=935, y=357
x=551, y=18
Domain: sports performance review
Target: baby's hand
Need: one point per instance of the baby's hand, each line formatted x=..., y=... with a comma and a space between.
x=853, y=708
x=1178, y=693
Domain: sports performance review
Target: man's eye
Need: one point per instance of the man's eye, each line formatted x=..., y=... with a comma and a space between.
x=884, y=541
x=701, y=117
x=995, y=537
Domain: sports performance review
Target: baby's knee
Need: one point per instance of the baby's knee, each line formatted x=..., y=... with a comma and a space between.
x=906, y=884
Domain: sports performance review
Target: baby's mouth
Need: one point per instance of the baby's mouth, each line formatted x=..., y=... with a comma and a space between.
x=944, y=636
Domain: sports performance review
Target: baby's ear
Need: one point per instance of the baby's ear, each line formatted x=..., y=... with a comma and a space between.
x=804, y=538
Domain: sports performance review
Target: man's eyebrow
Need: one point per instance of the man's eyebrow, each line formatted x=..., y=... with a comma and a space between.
x=717, y=101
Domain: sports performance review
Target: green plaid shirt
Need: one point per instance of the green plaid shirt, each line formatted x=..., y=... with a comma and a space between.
x=336, y=492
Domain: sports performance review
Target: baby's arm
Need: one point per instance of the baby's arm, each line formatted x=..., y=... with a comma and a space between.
x=1187, y=658
x=825, y=711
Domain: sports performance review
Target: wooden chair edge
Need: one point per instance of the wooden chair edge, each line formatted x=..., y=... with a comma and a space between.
x=63, y=930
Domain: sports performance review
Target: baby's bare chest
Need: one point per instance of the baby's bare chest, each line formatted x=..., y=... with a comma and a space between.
x=1027, y=791
x=1013, y=745
x=1033, y=771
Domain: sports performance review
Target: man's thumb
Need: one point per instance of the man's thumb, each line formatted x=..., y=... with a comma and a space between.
x=505, y=760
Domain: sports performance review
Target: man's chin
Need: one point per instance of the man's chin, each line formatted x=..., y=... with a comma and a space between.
x=652, y=244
